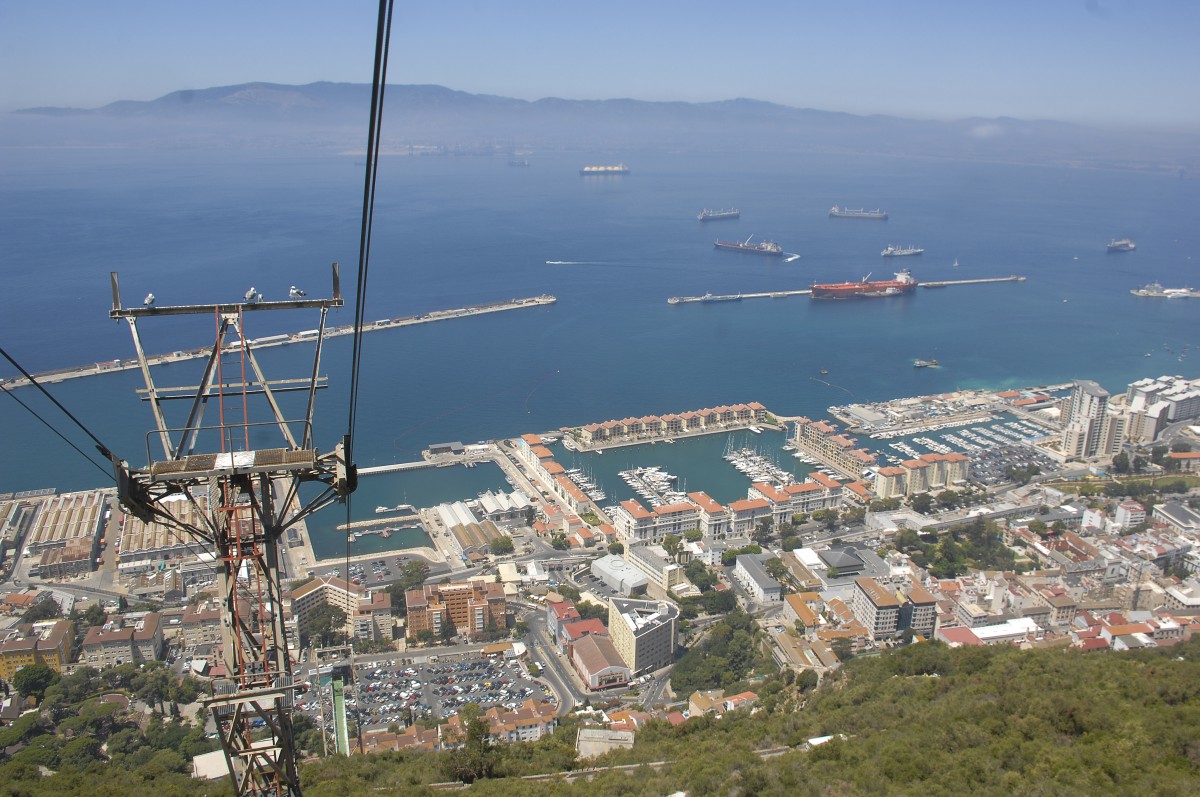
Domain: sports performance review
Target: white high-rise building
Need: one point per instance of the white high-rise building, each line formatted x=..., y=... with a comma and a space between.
x=1083, y=431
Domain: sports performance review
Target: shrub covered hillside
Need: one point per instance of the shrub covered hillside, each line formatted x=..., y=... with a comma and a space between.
x=924, y=720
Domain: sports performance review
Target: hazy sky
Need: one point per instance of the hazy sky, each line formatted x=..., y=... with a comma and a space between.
x=1127, y=63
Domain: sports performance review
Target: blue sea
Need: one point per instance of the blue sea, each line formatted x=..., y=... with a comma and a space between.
x=449, y=231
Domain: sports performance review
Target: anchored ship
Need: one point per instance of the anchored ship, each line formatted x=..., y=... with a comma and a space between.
x=728, y=297
x=1123, y=245
x=716, y=215
x=763, y=248
x=588, y=171
x=1158, y=291
x=846, y=213
x=865, y=289
x=894, y=251
x=925, y=364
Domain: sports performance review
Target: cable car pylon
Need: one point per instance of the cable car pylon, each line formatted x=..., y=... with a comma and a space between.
x=246, y=498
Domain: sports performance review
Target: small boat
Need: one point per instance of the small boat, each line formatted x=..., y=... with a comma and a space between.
x=925, y=364
x=1123, y=245
x=824, y=371
x=955, y=262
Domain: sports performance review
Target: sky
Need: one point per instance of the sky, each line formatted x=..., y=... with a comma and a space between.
x=1109, y=63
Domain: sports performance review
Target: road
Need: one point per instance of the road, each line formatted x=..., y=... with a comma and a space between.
x=553, y=667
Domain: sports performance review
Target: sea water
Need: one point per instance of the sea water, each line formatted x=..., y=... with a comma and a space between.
x=455, y=231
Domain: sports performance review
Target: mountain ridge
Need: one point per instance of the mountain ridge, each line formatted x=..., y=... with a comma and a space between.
x=330, y=114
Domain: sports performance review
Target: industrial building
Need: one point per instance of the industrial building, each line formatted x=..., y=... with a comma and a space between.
x=619, y=575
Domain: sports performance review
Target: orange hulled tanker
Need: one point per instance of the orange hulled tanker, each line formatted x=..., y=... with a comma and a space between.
x=864, y=289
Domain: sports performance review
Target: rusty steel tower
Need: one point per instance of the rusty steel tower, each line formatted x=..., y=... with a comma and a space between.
x=241, y=499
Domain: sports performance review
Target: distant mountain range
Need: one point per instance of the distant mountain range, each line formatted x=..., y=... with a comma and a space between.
x=438, y=119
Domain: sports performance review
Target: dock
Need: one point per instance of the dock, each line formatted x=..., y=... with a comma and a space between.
x=982, y=280
x=399, y=466
x=733, y=297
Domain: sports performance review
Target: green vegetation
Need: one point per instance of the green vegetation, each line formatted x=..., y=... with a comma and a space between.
x=412, y=576
x=976, y=544
x=921, y=720
x=727, y=655
x=729, y=558
x=322, y=626
x=42, y=610
x=1150, y=489
x=502, y=545
x=98, y=748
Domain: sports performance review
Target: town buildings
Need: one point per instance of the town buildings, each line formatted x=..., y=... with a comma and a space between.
x=599, y=663
x=643, y=632
x=130, y=639
x=753, y=577
x=47, y=643
x=468, y=607
x=368, y=613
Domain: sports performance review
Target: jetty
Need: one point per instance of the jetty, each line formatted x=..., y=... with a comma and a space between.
x=980, y=281
x=399, y=466
x=306, y=336
x=735, y=296
x=709, y=298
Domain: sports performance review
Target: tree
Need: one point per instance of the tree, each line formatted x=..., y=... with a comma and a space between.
x=502, y=545
x=89, y=618
x=673, y=545
x=832, y=572
x=32, y=680
x=323, y=625
x=947, y=499
x=78, y=753
x=762, y=532
x=46, y=609
x=827, y=518
x=412, y=575
x=693, y=535
x=776, y=569
x=558, y=541
x=1158, y=454
x=921, y=502
x=616, y=548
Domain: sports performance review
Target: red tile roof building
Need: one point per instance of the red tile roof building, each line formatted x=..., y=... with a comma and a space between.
x=472, y=607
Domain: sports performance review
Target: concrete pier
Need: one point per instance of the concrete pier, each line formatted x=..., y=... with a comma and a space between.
x=308, y=336
x=734, y=297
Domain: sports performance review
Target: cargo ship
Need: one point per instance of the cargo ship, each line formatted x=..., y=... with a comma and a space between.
x=864, y=289
x=717, y=215
x=588, y=171
x=708, y=298
x=894, y=251
x=763, y=248
x=1123, y=245
x=846, y=213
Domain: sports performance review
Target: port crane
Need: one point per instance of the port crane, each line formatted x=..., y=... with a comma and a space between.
x=239, y=498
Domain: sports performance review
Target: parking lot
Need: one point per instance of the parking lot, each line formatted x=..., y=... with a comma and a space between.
x=389, y=692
